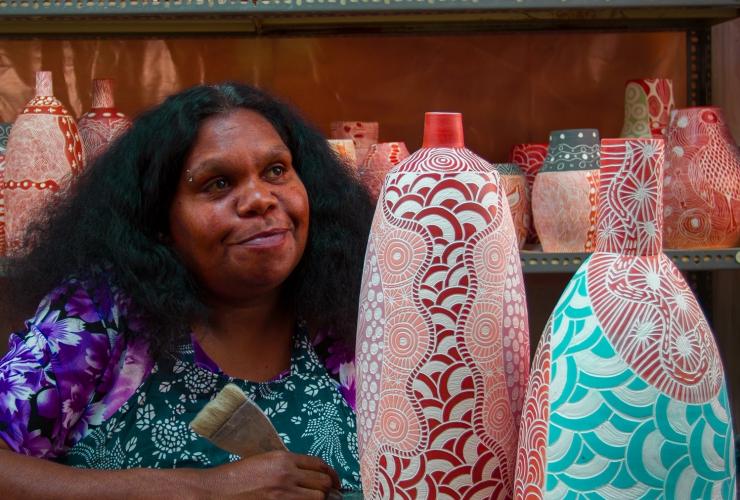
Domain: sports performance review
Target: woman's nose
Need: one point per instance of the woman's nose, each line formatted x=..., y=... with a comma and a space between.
x=255, y=198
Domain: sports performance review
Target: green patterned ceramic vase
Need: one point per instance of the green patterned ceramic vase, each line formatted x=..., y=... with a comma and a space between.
x=4, y=134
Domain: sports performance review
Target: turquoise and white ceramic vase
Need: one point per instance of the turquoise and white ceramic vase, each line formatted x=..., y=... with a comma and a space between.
x=627, y=395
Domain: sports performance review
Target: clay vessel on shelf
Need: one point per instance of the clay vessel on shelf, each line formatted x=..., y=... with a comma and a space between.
x=515, y=184
x=565, y=192
x=442, y=339
x=380, y=159
x=364, y=135
x=4, y=134
x=648, y=103
x=702, y=181
x=530, y=158
x=44, y=153
x=103, y=123
x=345, y=149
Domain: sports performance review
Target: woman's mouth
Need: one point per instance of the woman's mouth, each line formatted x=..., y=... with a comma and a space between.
x=265, y=239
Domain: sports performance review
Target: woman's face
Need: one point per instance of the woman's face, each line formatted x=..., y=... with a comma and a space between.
x=239, y=218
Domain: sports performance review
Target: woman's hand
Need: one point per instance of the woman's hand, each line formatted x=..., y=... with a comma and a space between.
x=277, y=474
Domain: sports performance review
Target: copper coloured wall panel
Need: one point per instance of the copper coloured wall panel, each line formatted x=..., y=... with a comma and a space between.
x=511, y=87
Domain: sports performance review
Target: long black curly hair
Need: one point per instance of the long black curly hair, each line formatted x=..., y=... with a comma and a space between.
x=114, y=215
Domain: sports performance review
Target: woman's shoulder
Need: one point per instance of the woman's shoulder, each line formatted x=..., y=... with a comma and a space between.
x=69, y=362
x=81, y=303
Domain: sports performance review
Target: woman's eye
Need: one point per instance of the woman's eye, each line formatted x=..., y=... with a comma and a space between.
x=276, y=171
x=217, y=184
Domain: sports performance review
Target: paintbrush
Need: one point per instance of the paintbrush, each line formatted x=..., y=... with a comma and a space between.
x=234, y=423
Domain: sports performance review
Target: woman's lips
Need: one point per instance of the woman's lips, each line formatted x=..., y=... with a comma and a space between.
x=266, y=239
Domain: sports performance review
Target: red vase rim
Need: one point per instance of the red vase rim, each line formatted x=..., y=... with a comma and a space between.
x=443, y=129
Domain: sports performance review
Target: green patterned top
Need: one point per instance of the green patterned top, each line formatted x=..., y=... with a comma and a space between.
x=151, y=429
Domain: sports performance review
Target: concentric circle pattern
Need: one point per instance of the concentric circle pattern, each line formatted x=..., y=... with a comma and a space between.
x=401, y=252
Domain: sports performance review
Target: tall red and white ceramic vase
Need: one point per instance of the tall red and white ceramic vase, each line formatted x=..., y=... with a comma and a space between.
x=103, y=123
x=442, y=343
x=44, y=152
x=627, y=396
x=702, y=181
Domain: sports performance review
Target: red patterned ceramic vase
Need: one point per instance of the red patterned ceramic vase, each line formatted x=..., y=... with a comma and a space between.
x=702, y=181
x=530, y=158
x=380, y=159
x=364, y=135
x=566, y=192
x=3, y=244
x=627, y=395
x=442, y=345
x=515, y=183
x=4, y=133
x=648, y=103
x=345, y=149
x=103, y=123
x=44, y=151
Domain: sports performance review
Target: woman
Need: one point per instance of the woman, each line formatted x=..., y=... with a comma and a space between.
x=215, y=242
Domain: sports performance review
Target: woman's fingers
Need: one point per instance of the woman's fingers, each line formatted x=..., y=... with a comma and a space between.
x=309, y=494
x=315, y=480
x=311, y=463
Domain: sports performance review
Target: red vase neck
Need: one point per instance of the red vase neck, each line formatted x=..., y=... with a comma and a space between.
x=44, y=85
x=443, y=130
x=102, y=93
x=631, y=197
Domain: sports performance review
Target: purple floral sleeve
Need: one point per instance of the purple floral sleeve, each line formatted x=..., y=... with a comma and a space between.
x=339, y=361
x=66, y=370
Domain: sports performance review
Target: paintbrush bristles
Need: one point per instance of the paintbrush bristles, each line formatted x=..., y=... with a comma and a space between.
x=213, y=415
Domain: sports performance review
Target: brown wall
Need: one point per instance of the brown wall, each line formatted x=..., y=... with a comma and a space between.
x=511, y=87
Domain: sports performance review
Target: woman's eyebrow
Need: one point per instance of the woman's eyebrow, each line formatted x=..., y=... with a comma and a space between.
x=209, y=164
x=205, y=166
x=278, y=149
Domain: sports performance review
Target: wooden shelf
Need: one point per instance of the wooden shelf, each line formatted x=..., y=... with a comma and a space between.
x=278, y=17
x=534, y=262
